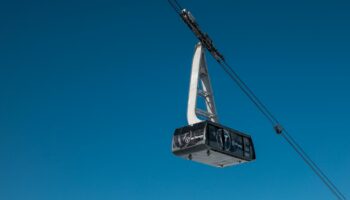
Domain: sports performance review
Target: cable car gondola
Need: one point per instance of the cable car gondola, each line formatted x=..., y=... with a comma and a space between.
x=205, y=140
x=213, y=144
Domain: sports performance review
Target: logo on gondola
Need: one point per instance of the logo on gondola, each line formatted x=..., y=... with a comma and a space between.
x=187, y=137
x=182, y=141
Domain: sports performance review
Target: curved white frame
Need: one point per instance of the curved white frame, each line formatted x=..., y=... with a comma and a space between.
x=200, y=73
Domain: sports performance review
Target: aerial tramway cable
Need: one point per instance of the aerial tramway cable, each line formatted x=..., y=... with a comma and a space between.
x=284, y=133
x=279, y=129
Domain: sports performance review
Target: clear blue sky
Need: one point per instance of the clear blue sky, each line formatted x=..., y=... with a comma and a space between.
x=91, y=92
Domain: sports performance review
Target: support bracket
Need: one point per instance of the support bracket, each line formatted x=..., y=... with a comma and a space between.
x=200, y=87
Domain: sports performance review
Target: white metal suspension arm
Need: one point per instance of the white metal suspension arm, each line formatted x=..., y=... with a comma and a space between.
x=200, y=77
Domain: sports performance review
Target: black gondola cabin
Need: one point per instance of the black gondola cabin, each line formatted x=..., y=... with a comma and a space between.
x=213, y=144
